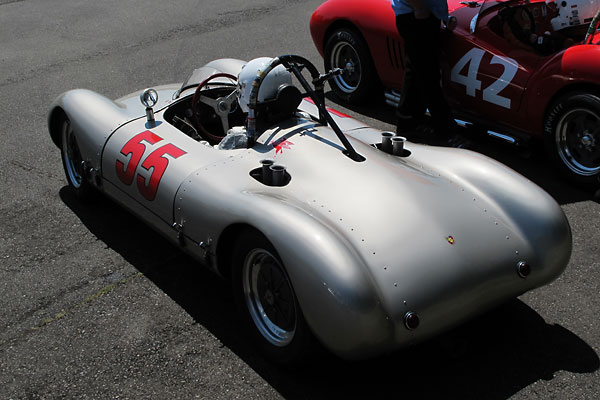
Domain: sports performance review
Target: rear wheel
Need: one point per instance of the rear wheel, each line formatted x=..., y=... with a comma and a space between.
x=267, y=302
x=572, y=137
x=347, y=50
x=73, y=163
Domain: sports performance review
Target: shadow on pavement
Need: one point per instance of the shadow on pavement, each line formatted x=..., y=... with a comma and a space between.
x=491, y=357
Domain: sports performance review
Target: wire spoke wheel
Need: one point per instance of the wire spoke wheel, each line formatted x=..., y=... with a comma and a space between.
x=572, y=137
x=347, y=49
x=345, y=56
x=73, y=162
x=578, y=141
x=269, y=297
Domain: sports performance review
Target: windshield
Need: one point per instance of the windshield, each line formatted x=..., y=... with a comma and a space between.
x=228, y=65
x=490, y=5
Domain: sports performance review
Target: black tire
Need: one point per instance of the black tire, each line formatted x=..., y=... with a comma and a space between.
x=346, y=49
x=267, y=303
x=572, y=137
x=73, y=163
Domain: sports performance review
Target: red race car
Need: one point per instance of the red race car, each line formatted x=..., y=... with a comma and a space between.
x=520, y=69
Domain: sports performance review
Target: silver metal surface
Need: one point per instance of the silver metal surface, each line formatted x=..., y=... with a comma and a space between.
x=356, y=266
x=398, y=145
x=149, y=98
x=269, y=297
x=386, y=142
x=72, y=160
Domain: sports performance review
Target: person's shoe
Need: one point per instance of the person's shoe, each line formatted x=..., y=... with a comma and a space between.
x=405, y=124
x=452, y=135
x=460, y=142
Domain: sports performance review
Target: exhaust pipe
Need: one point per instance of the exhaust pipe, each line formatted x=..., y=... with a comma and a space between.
x=386, y=142
x=392, y=144
x=267, y=176
x=398, y=145
x=277, y=174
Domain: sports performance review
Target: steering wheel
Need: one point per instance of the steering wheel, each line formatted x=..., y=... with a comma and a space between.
x=593, y=29
x=222, y=106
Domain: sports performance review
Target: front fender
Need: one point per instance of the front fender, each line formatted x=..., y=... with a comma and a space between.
x=93, y=118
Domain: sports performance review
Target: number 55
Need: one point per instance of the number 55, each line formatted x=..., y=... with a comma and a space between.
x=155, y=161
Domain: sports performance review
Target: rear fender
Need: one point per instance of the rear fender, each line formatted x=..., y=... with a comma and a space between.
x=332, y=283
x=335, y=290
x=576, y=68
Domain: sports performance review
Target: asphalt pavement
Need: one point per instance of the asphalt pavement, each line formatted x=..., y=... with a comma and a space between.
x=95, y=305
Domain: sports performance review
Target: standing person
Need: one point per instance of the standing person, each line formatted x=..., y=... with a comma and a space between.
x=418, y=23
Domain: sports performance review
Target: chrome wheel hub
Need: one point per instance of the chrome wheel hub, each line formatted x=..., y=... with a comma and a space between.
x=577, y=141
x=71, y=155
x=344, y=56
x=269, y=297
x=349, y=67
x=588, y=142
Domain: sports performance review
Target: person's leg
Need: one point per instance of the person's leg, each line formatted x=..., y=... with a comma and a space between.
x=427, y=66
x=411, y=107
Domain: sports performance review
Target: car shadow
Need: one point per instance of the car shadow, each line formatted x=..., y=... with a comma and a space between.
x=493, y=356
x=528, y=160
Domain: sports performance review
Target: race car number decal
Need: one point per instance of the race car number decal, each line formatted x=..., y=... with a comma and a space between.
x=155, y=162
x=472, y=84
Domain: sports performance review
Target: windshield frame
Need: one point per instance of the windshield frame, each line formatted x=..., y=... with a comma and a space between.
x=491, y=5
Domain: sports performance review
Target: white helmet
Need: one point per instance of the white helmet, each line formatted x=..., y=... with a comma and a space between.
x=574, y=12
x=268, y=89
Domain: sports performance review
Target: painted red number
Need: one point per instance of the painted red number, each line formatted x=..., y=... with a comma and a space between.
x=159, y=163
x=136, y=148
x=155, y=162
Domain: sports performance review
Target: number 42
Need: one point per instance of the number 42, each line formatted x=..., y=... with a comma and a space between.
x=491, y=93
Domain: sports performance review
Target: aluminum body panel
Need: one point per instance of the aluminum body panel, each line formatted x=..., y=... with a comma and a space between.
x=370, y=241
x=134, y=107
x=175, y=171
x=94, y=117
x=439, y=232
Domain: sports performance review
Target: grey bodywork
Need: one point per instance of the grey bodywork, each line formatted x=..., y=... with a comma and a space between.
x=439, y=232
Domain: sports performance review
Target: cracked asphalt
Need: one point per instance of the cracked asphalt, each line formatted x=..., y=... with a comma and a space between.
x=94, y=305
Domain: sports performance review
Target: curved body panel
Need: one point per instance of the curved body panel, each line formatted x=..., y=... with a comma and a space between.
x=434, y=231
x=342, y=261
x=96, y=117
x=574, y=69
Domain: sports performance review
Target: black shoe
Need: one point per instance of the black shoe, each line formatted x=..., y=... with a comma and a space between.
x=460, y=142
x=406, y=124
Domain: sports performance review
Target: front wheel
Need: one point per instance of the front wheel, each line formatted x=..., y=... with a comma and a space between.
x=572, y=137
x=73, y=163
x=266, y=299
x=346, y=49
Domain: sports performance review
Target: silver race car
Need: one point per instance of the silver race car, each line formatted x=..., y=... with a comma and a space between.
x=329, y=230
